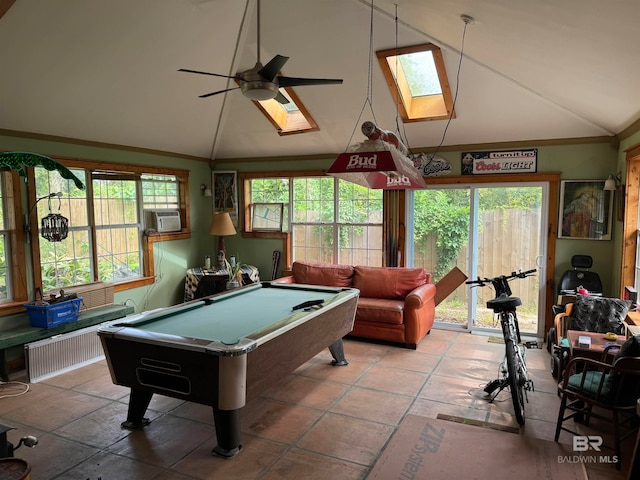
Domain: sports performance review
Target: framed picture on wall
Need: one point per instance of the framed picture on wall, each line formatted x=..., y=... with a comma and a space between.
x=225, y=193
x=586, y=210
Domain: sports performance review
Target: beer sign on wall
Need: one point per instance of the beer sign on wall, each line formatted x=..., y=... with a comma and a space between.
x=505, y=161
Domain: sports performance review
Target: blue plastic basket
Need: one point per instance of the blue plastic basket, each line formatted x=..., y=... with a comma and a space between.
x=49, y=316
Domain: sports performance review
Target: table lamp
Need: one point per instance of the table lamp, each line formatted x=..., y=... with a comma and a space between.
x=221, y=225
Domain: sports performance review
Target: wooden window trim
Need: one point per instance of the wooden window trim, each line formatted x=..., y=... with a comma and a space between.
x=278, y=117
x=15, y=225
x=630, y=225
x=418, y=109
x=148, y=273
x=245, y=178
x=553, y=179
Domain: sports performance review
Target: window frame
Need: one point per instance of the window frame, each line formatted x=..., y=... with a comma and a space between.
x=418, y=109
x=17, y=241
x=245, y=194
x=278, y=116
x=631, y=225
x=147, y=239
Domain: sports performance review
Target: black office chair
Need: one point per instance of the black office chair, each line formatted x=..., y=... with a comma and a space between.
x=569, y=282
x=580, y=276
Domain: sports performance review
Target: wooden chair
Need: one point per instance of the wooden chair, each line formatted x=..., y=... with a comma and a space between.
x=560, y=348
x=590, y=314
x=613, y=388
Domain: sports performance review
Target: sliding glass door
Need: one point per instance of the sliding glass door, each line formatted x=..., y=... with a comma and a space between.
x=483, y=230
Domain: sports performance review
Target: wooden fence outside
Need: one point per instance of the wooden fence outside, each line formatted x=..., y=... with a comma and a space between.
x=508, y=240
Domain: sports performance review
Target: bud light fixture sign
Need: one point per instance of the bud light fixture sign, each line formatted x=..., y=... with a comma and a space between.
x=377, y=170
x=506, y=161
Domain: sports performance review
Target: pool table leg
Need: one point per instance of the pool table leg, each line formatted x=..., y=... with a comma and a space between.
x=227, y=423
x=138, y=403
x=337, y=351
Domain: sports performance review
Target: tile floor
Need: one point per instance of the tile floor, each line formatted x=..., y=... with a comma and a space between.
x=323, y=422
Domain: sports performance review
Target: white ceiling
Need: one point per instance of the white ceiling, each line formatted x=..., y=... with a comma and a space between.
x=106, y=71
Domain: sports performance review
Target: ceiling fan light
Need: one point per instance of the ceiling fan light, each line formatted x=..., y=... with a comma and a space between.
x=259, y=91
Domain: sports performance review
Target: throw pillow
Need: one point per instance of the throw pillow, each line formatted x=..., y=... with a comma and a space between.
x=599, y=314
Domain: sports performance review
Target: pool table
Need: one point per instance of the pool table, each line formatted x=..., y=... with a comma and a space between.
x=225, y=349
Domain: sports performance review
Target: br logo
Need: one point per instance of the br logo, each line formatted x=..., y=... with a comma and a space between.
x=582, y=443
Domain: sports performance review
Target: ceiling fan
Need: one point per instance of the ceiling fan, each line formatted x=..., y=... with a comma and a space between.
x=263, y=82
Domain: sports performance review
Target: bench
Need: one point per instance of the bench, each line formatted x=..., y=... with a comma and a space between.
x=25, y=333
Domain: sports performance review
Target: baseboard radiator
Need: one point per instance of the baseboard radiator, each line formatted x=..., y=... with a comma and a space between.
x=62, y=353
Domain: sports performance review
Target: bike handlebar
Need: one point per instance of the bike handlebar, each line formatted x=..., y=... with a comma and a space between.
x=481, y=282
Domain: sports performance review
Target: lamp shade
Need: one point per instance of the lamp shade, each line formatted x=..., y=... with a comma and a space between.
x=221, y=225
x=610, y=183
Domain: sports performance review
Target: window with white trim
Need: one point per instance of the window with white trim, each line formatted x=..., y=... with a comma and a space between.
x=106, y=231
x=329, y=220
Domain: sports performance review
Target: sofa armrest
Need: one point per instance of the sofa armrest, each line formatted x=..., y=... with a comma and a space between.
x=420, y=296
x=289, y=279
x=419, y=313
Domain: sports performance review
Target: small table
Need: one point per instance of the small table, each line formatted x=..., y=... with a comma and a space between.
x=225, y=349
x=598, y=344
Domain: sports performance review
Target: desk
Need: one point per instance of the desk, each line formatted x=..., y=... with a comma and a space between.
x=223, y=350
x=219, y=277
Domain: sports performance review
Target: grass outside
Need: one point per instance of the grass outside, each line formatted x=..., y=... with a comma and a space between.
x=456, y=313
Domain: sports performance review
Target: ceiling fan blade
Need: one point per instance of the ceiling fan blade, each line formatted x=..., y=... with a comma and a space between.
x=295, y=82
x=271, y=69
x=203, y=73
x=219, y=91
x=281, y=98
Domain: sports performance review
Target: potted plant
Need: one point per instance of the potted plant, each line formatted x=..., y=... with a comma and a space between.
x=235, y=274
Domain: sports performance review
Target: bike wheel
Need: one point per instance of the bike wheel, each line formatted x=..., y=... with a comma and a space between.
x=516, y=385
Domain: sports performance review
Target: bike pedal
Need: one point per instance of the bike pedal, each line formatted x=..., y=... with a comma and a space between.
x=491, y=386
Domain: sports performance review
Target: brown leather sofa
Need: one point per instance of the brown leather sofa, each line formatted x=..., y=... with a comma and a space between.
x=395, y=304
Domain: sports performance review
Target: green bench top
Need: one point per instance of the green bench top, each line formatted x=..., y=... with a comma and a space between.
x=25, y=333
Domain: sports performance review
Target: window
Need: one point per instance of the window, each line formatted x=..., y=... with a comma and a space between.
x=288, y=118
x=418, y=82
x=5, y=249
x=67, y=262
x=106, y=240
x=118, y=226
x=160, y=191
x=328, y=220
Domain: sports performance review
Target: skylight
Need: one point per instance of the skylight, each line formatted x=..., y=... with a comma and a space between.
x=288, y=118
x=418, y=82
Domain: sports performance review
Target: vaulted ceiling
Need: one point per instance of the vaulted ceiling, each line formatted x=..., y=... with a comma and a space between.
x=106, y=71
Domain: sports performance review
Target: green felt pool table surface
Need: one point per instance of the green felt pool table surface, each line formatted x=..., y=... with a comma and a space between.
x=251, y=312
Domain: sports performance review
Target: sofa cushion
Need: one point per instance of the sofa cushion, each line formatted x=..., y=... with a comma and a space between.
x=380, y=310
x=323, y=274
x=388, y=282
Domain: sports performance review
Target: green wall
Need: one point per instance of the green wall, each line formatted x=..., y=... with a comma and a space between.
x=574, y=161
x=172, y=258
x=589, y=161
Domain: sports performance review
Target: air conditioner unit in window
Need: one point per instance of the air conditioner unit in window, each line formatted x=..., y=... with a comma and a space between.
x=162, y=221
